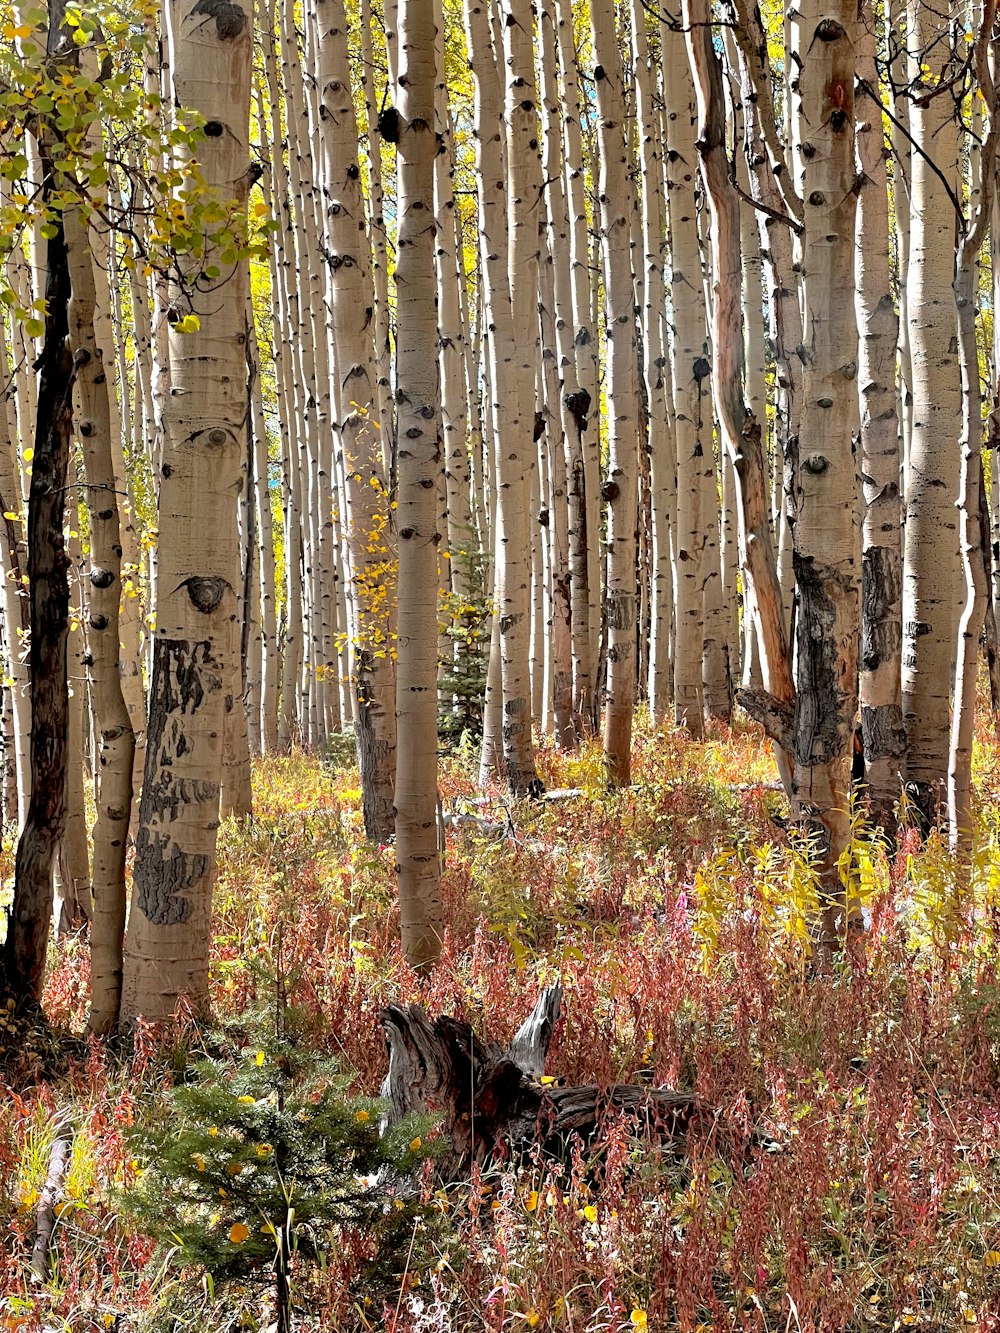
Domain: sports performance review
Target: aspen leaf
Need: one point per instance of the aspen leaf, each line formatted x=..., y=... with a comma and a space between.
x=187, y=324
x=28, y=454
x=238, y=1233
x=638, y=1318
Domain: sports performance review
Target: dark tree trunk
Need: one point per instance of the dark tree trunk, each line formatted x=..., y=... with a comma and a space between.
x=48, y=592
x=489, y=1100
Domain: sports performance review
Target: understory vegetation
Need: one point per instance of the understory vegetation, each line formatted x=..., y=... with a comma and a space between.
x=849, y=1177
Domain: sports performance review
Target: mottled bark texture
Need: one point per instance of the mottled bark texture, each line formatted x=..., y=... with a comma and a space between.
x=418, y=872
x=356, y=432
x=201, y=474
x=825, y=503
x=48, y=591
x=883, y=733
x=114, y=736
x=932, y=581
x=739, y=429
x=617, y=209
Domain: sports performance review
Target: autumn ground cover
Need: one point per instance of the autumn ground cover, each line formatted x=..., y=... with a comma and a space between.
x=850, y=1178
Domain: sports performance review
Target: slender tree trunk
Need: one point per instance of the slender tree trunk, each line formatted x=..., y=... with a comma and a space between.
x=370, y=539
x=48, y=592
x=739, y=430
x=932, y=561
x=974, y=568
x=691, y=370
x=115, y=738
x=617, y=200
x=882, y=565
x=417, y=395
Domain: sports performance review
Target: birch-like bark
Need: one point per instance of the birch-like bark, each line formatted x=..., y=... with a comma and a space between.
x=980, y=206
x=585, y=488
x=114, y=735
x=617, y=203
x=418, y=872
x=825, y=502
x=659, y=430
x=931, y=560
x=690, y=374
x=739, y=430
x=882, y=727
x=204, y=419
x=355, y=403
x=572, y=595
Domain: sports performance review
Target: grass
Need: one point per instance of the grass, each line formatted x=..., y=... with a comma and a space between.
x=675, y=914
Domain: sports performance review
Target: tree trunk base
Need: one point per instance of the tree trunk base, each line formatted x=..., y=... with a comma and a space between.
x=491, y=1104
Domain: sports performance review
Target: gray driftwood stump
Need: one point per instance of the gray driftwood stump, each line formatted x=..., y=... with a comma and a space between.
x=490, y=1101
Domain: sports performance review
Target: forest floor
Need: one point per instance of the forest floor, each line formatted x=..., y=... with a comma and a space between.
x=676, y=915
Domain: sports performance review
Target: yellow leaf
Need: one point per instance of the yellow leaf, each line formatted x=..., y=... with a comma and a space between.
x=992, y=1259
x=248, y=1100
x=29, y=454
x=187, y=324
x=531, y=1202
x=199, y=1161
x=238, y=1233
x=546, y=1079
x=234, y=1168
x=532, y=1318
x=361, y=1117
x=416, y=1144
x=638, y=1318
x=590, y=1213
x=259, y=1058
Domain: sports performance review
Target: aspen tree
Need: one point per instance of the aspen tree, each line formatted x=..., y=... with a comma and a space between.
x=204, y=421
x=584, y=488
x=739, y=430
x=572, y=595
x=358, y=437
x=931, y=558
x=271, y=661
x=512, y=415
x=417, y=397
x=516, y=453
x=15, y=606
x=48, y=591
x=617, y=203
x=977, y=592
x=824, y=501
x=553, y=450
x=882, y=727
x=690, y=373
x=377, y=235
x=659, y=431
x=72, y=900
x=114, y=735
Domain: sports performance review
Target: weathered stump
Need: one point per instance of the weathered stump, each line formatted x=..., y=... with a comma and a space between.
x=490, y=1101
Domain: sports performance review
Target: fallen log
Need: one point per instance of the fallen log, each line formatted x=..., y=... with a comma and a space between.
x=48, y=1202
x=490, y=1101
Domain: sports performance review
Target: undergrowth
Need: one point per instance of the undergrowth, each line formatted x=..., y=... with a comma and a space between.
x=851, y=1178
